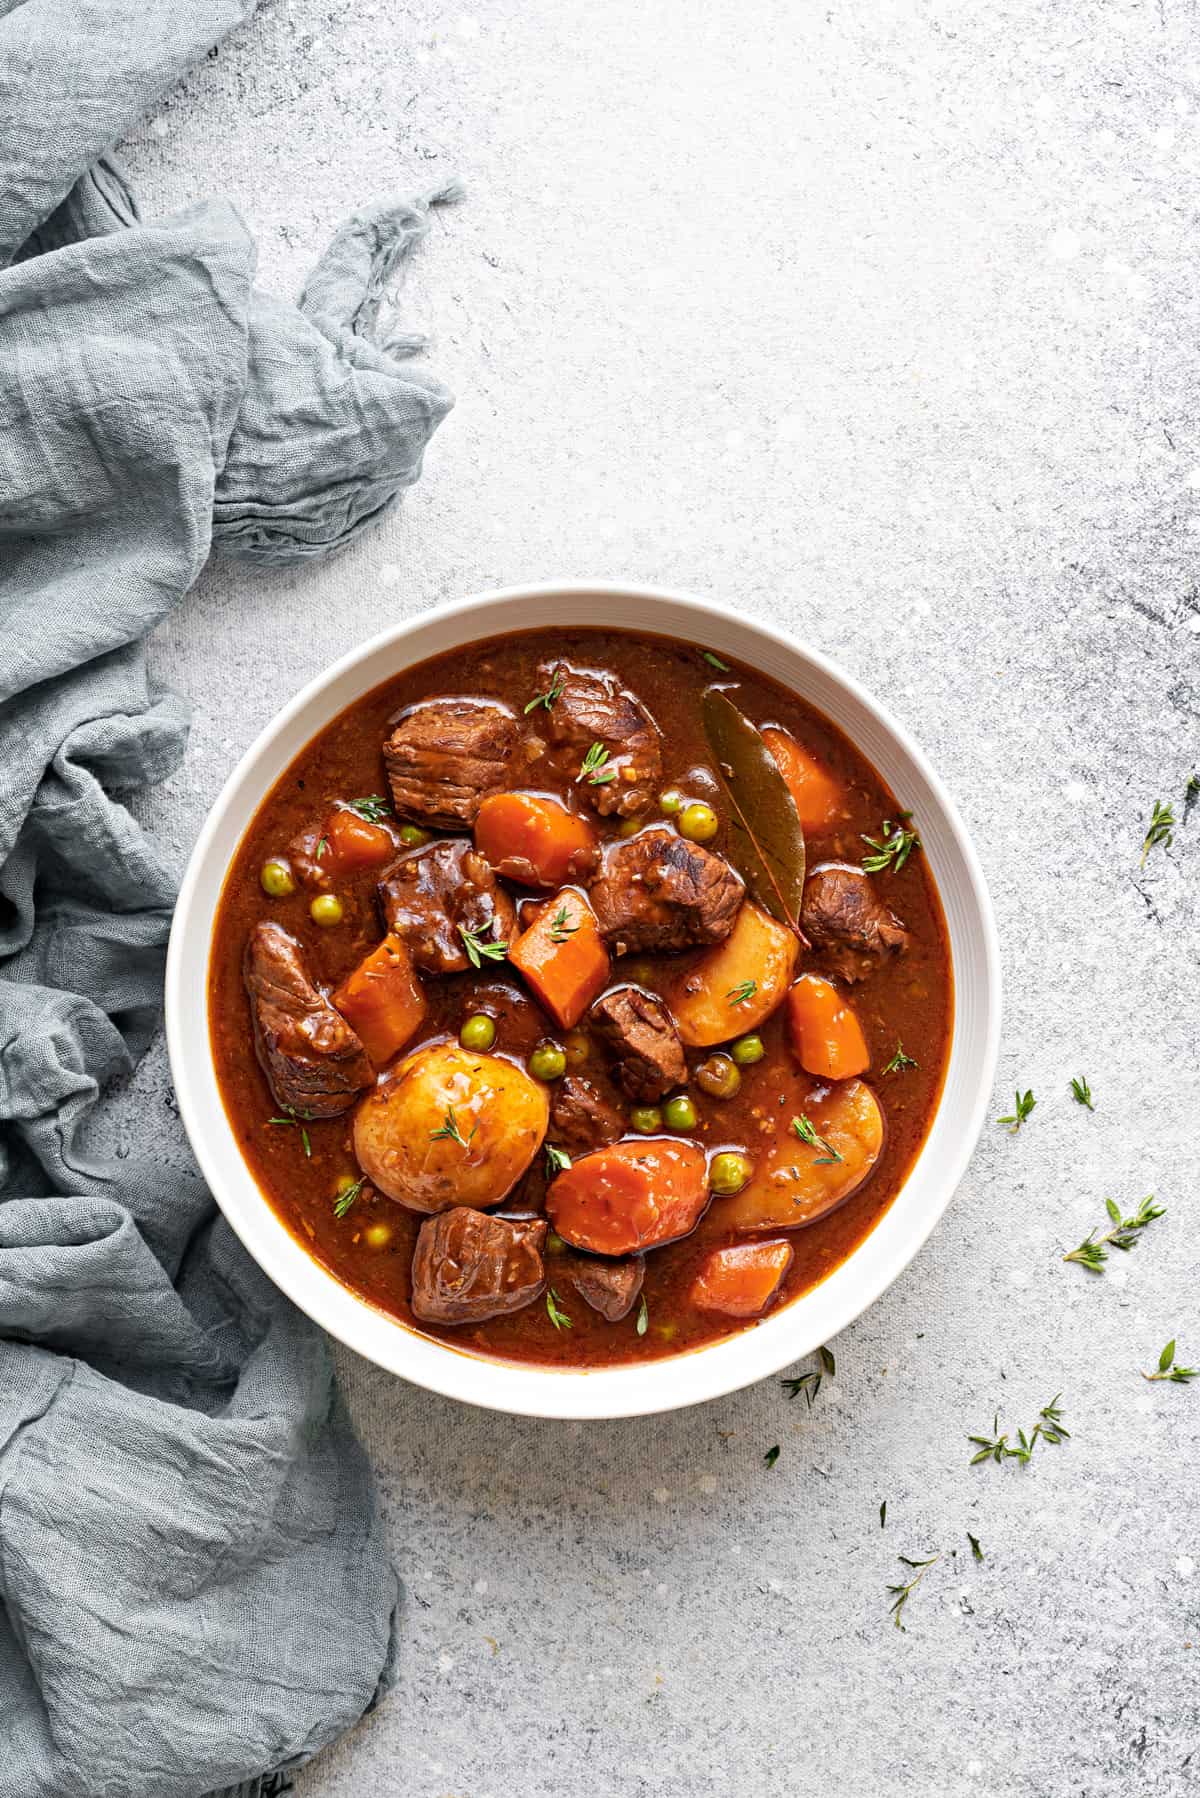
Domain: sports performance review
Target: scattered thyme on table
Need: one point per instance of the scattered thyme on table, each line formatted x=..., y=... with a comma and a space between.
x=1049, y=1428
x=1082, y=1092
x=1023, y=1105
x=904, y=1593
x=1125, y=1232
x=1168, y=1369
x=810, y=1383
x=1161, y=832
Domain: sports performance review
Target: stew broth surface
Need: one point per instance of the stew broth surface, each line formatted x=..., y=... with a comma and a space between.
x=910, y=1000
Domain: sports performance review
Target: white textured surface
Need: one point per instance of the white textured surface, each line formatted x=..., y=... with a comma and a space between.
x=878, y=321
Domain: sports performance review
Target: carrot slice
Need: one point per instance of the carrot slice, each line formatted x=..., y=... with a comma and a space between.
x=534, y=840
x=354, y=843
x=825, y=1033
x=743, y=1280
x=820, y=801
x=562, y=957
x=383, y=1000
x=631, y=1196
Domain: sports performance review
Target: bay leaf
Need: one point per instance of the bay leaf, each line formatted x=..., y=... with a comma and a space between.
x=766, y=836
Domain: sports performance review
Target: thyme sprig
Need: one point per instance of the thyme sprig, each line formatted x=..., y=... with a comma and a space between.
x=347, y=1196
x=1049, y=1427
x=594, y=767
x=547, y=698
x=745, y=989
x=1082, y=1092
x=902, y=1593
x=1092, y=1252
x=554, y=1311
x=296, y=1120
x=1167, y=1368
x=892, y=848
x=560, y=926
x=900, y=1061
x=1023, y=1105
x=374, y=808
x=810, y=1383
x=477, y=950
x=805, y=1131
x=1161, y=832
x=557, y=1160
x=450, y=1131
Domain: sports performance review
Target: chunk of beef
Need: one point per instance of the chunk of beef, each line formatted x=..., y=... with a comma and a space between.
x=468, y=1266
x=314, y=1062
x=431, y=891
x=609, y=1287
x=847, y=923
x=591, y=707
x=580, y=1119
x=446, y=756
x=640, y=1031
x=658, y=891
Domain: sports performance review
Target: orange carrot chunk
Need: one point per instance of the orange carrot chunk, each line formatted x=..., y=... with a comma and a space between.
x=383, y=1000
x=562, y=957
x=534, y=840
x=631, y=1196
x=742, y=1281
x=354, y=843
x=826, y=1036
x=819, y=799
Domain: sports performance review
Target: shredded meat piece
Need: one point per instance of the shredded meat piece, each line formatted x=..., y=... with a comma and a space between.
x=314, y=1062
x=446, y=756
x=430, y=892
x=657, y=891
x=641, y=1033
x=468, y=1266
x=590, y=707
x=847, y=923
x=580, y=1119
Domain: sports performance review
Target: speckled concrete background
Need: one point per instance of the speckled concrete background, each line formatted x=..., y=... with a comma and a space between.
x=879, y=320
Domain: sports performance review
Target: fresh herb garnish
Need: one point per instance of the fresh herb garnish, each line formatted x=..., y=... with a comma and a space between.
x=900, y=1061
x=714, y=661
x=1049, y=1427
x=1161, y=831
x=557, y=1316
x=883, y=1514
x=556, y=1160
x=975, y=1548
x=593, y=768
x=347, y=1196
x=322, y=846
x=804, y=1130
x=904, y=1593
x=450, y=1131
x=477, y=950
x=810, y=1383
x=738, y=995
x=547, y=698
x=1190, y=795
x=1082, y=1092
x=292, y=1119
x=772, y=1455
x=892, y=848
x=1024, y=1104
x=643, y=1316
x=1092, y=1253
x=560, y=928
x=374, y=808
x=1167, y=1370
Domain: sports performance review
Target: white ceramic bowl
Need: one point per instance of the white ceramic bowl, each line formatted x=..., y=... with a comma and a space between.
x=797, y=1328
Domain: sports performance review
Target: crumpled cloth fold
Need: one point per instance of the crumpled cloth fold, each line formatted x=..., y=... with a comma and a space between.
x=195, y=1592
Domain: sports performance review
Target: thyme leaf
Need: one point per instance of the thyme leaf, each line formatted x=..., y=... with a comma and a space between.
x=556, y=1160
x=1024, y=1104
x=1169, y=1370
x=347, y=1196
x=477, y=950
x=892, y=848
x=1161, y=831
x=904, y=1592
x=807, y=1134
x=643, y=1316
x=450, y=1131
x=374, y=808
x=547, y=698
x=554, y=1312
x=738, y=995
x=292, y=1119
x=900, y=1061
x=714, y=661
x=1082, y=1092
x=1092, y=1252
x=772, y=1455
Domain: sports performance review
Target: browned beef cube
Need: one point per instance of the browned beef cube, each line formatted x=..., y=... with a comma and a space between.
x=639, y=1030
x=656, y=891
x=609, y=1287
x=468, y=1266
x=589, y=708
x=580, y=1119
x=847, y=923
x=431, y=895
x=446, y=756
x=314, y=1062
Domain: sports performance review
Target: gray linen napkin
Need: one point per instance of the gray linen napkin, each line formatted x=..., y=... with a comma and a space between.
x=194, y=1586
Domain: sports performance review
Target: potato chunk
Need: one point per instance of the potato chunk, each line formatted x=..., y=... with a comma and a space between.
x=735, y=986
x=450, y=1128
x=795, y=1182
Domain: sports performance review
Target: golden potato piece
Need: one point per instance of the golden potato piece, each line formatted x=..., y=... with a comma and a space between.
x=450, y=1128
x=735, y=986
x=796, y=1181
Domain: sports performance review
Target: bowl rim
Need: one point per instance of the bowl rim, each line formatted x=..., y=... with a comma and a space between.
x=696, y=1375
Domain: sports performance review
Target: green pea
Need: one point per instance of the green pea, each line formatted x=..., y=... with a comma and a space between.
x=326, y=909
x=729, y=1172
x=412, y=836
x=646, y=1119
x=629, y=827
x=670, y=802
x=698, y=822
x=718, y=1077
x=747, y=1050
x=548, y=1062
x=555, y=1245
x=578, y=1048
x=679, y=1113
x=276, y=880
x=478, y=1032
